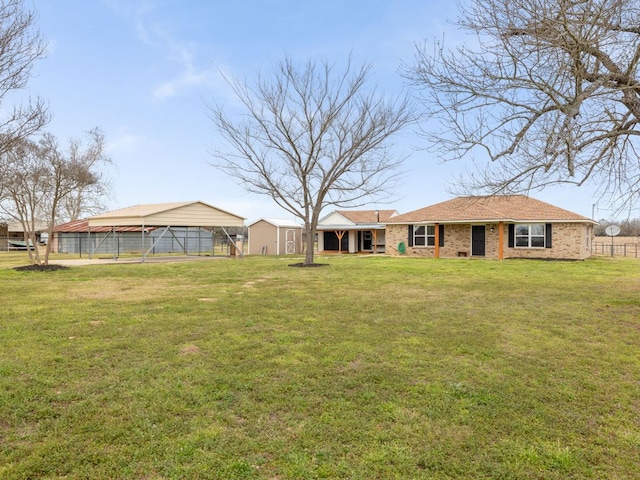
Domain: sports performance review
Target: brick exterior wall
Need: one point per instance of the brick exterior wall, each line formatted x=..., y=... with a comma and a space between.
x=569, y=241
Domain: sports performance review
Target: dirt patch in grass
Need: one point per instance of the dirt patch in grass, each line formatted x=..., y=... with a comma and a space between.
x=189, y=350
x=126, y=290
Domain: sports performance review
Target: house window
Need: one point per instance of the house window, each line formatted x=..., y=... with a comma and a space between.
x=530, y=236
x=424, y=235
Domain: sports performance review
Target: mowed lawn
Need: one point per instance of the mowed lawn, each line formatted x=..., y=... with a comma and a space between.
x=367, y=368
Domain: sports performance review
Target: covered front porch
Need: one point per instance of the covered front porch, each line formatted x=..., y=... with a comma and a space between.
x=369, y=240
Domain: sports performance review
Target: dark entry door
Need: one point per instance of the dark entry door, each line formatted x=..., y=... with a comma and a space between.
x=330, y=241
x=367, y=242
x=478, y=240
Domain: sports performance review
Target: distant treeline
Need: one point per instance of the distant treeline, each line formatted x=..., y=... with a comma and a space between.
x=628, y=228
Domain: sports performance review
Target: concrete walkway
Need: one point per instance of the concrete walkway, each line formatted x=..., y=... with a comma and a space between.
x=72, y=262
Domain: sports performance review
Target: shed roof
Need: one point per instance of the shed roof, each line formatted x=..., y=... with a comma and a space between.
x=279, y=222
x=177, y=214
x=495, y=208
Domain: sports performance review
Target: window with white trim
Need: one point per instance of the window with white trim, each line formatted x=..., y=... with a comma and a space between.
x=424, y=235
x=530, y=235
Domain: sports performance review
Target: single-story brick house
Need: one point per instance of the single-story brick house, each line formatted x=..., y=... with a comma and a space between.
x=353, y=231
x=499, y=226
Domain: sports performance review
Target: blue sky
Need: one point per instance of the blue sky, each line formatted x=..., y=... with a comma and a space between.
x=145, y=70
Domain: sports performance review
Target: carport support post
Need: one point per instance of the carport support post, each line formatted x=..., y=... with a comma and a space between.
x=115, y=244
x=144, y=254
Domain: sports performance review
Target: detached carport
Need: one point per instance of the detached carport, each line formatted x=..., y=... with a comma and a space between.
x=165, y=217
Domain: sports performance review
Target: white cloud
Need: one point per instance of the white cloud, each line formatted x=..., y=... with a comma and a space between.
x=125, y=143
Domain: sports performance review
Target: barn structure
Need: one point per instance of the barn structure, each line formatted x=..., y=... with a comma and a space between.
x=4, y=236
x=12, y=235
x=275, y=236
x=179, y=227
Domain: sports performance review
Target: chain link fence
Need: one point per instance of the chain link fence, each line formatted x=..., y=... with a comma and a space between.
x=182, y=241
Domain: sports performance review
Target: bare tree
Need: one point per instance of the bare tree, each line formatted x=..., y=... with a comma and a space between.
x=20, y=47
x=548, y=94
x=310, y=137
x=42, y=178
x=88, y=198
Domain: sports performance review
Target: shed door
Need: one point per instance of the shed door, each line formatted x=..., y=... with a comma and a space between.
x=478, y=240
x=291, y=241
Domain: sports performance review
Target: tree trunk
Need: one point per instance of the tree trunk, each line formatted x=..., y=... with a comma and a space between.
x=311, y=238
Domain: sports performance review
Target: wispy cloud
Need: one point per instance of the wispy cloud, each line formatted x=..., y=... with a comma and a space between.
x=189, y=75
x=125, y=142
x=156, y=31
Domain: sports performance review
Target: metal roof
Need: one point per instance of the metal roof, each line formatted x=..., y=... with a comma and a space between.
x=82, y=226
x=279, y=222
x=367, y=216
x=185, y=214
x=359, y=226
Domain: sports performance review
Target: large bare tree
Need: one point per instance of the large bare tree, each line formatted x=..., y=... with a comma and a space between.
x=43, y=179
x=310, y=136
x=547, y=93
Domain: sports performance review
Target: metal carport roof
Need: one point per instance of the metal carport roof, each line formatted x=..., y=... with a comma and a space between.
x=176, y=214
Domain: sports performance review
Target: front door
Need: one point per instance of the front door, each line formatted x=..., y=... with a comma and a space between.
x=478, y=240
x=367, y=243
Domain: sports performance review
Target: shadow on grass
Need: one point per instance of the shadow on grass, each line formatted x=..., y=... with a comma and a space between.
x=40, y=268
x=304, y=265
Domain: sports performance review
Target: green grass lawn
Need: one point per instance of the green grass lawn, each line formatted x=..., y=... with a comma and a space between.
x=368, y=368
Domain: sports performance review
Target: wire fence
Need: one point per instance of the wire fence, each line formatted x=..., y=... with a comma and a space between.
x=616, y=249
x=179, y=241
